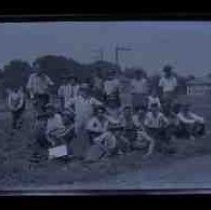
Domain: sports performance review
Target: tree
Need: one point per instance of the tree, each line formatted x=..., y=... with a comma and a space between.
x=53, y=65
x=16, y=73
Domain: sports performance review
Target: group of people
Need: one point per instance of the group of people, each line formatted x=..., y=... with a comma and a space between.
x=115, y=115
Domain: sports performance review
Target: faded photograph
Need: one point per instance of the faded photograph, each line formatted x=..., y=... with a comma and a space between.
x=105, y=106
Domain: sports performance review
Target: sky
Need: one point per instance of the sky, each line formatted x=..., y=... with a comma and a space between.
x=185, y=45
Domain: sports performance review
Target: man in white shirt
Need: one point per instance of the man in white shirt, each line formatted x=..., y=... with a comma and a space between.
x=83, y=105
x=156, y=124
x=108, y=143
x=125, y=91
x=111, y=85
x=139, y=89
x=152, y=99
x=98, y=86
x=38, y=86
x=190, y=124
x=168, y=84
x=142, y=140
x=68, y=90
x=98, y=124
x=126, y=119
x=56, y=132
x=113, y=109
x=16, y=104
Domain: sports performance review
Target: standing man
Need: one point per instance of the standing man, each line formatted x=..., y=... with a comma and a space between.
x=68, y=90
x=98, y=85
x=139, y=89
x=83, y=105
x=111, y=85
x=168, y=85
x=125, y=91
x=16, y=104
x=38, y=86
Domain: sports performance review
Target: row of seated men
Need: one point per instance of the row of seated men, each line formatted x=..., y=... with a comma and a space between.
x=113, y=129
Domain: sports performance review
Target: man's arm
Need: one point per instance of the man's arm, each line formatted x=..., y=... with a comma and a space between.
x=197, y=118
x=185, y=120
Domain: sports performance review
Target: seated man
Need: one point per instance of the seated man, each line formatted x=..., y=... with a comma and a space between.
x=143, y=140
x=156, y=124
x=113, y=108
x=139, y=117
x=109, y=143
x=153, y=98
x=98, y=124
x=190, y=124
x=56, y=132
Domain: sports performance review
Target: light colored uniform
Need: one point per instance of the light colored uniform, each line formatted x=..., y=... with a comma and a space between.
x=139, y=91
x=152, y=121
x=126, y=93
x=15, y=100
x=67, y=92
x=83, y=110
x=107, y=141
x=55, y=128
x=111, y=86
x=141, y=136
x=38, y=84
x=168, y=84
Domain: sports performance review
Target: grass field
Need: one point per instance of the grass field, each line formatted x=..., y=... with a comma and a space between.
x=16, y=151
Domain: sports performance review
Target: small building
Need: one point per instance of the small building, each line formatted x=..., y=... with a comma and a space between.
x=199, y=86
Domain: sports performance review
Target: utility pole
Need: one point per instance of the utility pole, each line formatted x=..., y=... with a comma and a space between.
x=117, y=53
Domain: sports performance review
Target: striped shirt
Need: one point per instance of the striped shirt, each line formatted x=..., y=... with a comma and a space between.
x=67, y=92
x=155, y=121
